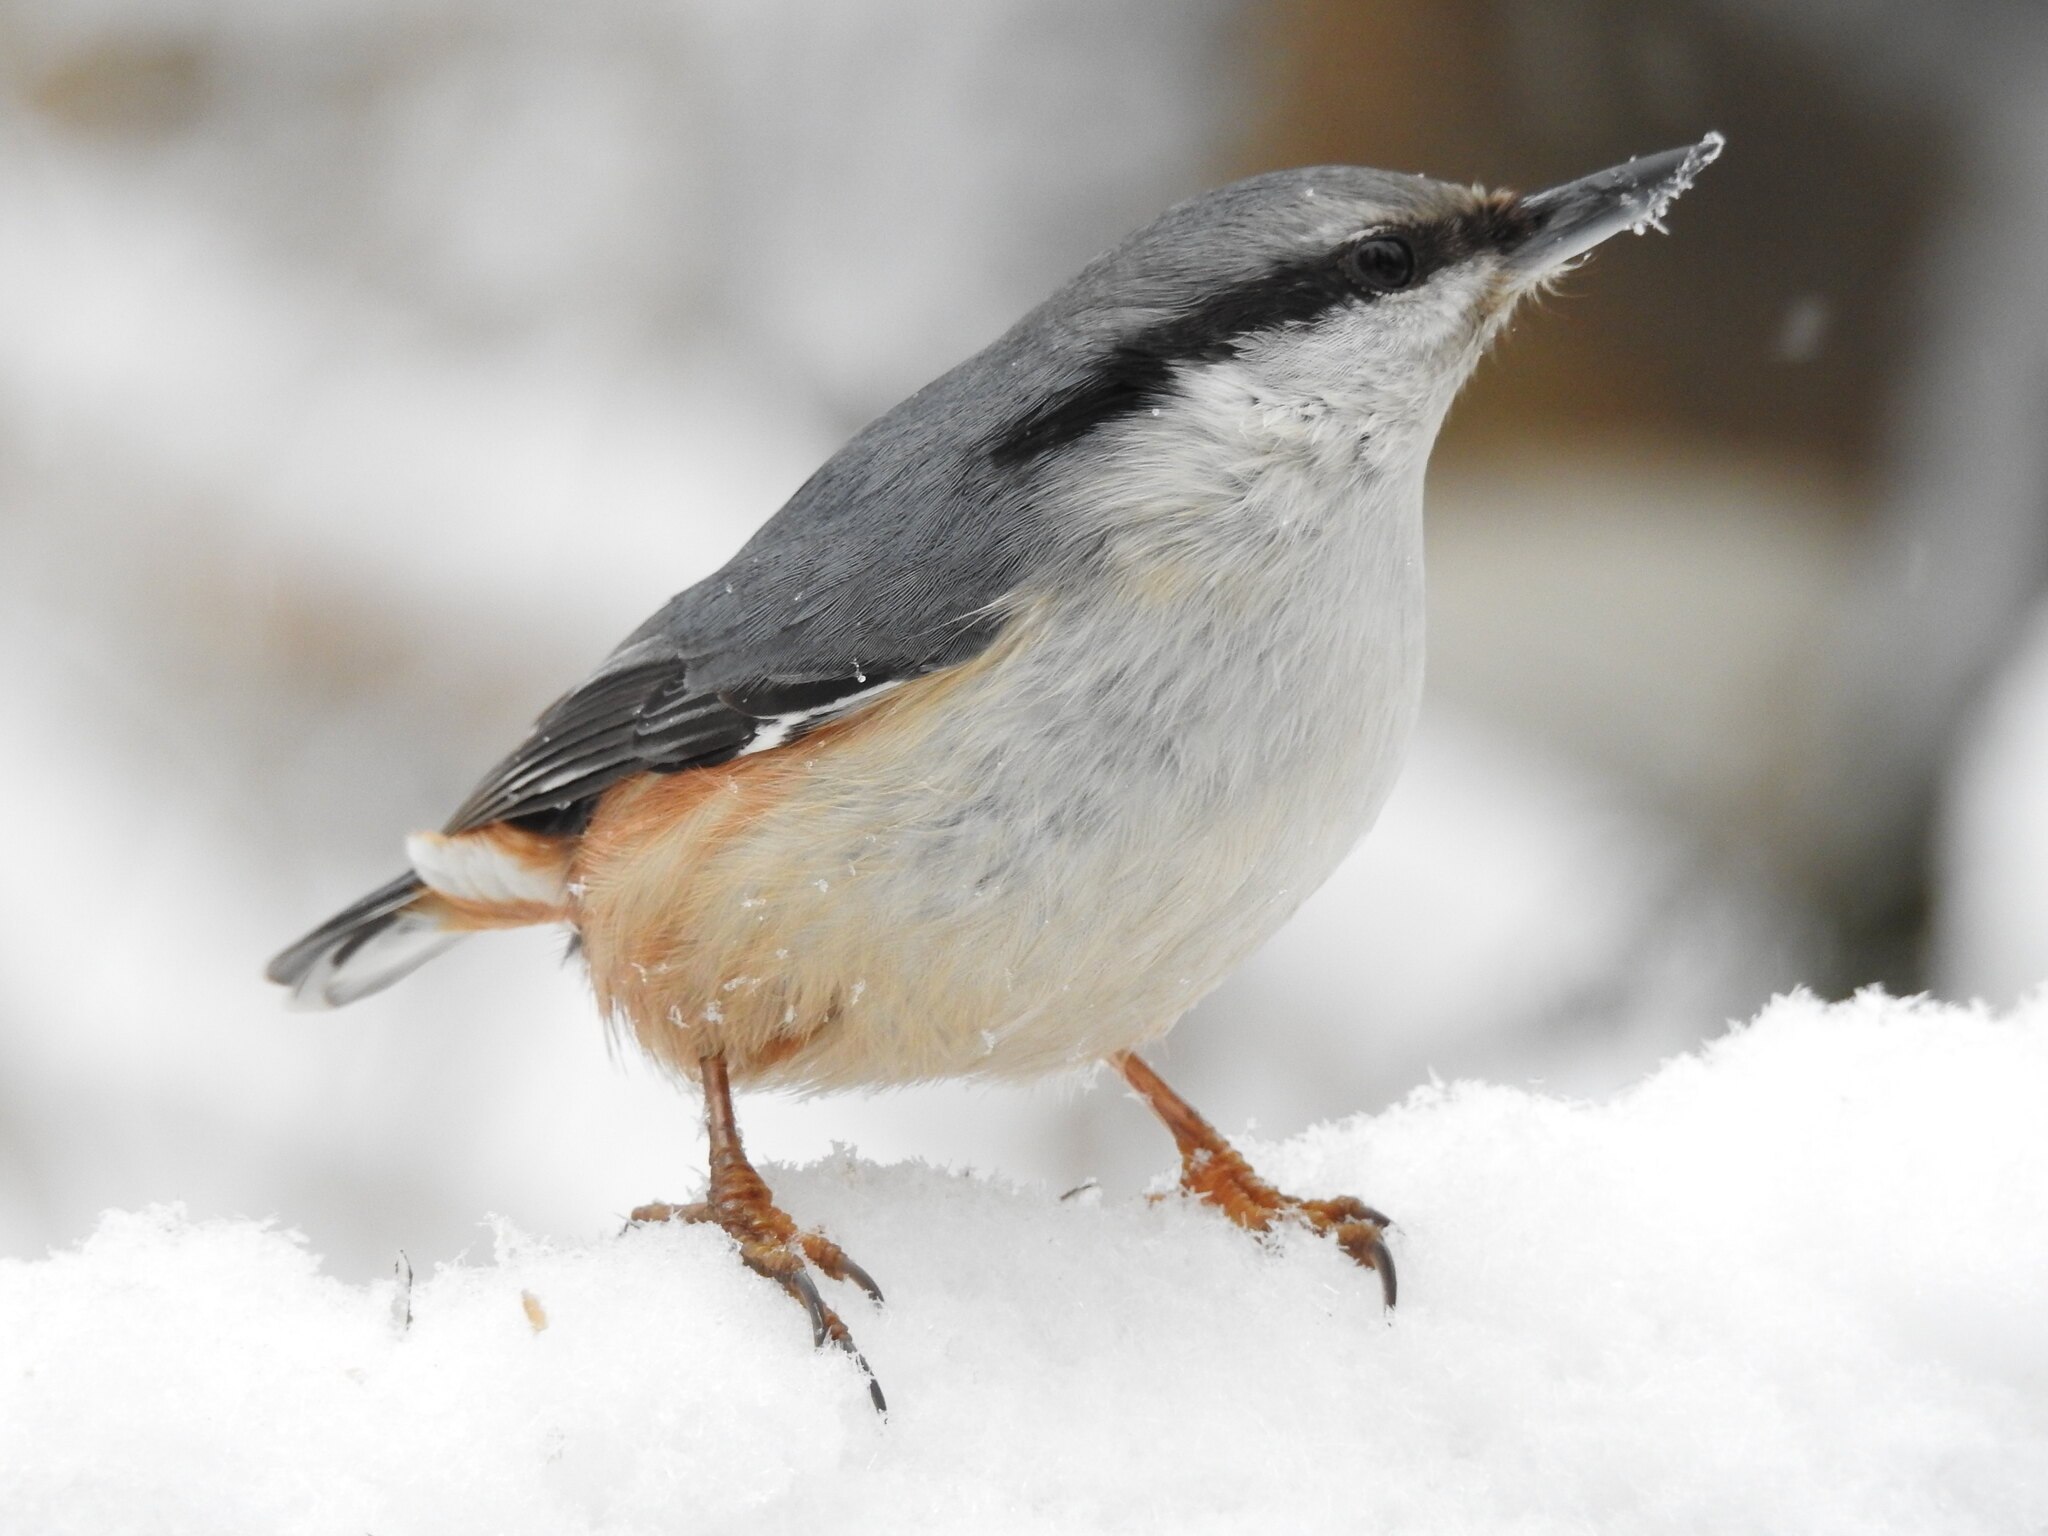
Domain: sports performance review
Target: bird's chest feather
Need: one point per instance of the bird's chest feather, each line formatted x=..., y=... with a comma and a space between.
x=1050, y=853
x=1236, y=674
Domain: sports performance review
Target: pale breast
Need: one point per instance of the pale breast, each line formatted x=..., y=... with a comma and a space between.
x=1047, y=855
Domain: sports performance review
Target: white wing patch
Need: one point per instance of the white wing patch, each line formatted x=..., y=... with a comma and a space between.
x=779, y=730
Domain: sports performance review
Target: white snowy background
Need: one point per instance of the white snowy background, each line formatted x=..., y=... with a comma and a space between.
x=367, y=369
x=1792, y=1284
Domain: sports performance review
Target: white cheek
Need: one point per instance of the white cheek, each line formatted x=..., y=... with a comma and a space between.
x=1391, y=366
x=1293, y=435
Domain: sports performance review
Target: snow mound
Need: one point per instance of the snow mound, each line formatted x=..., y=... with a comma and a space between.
x=1793, y=1283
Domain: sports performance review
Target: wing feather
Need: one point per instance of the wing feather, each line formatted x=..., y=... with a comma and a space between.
x=896, y=559
x=647, y=718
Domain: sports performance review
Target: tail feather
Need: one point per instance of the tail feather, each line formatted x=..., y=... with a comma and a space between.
x=363, y=949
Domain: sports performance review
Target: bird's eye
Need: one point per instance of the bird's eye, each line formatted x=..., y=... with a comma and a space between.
x=1381, y=264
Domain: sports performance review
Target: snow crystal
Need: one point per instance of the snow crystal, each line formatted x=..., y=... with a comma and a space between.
x=1790, y=1284
x=1675, y=186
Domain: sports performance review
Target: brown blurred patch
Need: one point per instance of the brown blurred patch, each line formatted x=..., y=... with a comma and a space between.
x=127, y=86
x=1772, y=322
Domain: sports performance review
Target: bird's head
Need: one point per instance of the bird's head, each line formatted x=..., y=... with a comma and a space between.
x=1339, y=295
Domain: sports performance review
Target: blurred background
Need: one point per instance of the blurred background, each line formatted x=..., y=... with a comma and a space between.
x=369, y=367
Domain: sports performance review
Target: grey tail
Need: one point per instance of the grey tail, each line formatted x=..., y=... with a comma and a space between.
x=362, y=949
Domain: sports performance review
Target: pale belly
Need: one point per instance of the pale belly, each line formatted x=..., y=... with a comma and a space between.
x=1042, y=859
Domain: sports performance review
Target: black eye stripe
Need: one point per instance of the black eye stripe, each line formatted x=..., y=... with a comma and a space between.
x=1494, y=224
x=1135, y=373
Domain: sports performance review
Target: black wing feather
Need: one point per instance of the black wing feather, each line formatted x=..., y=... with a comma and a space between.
x=625, y=721
x=899, y=557
x=647, y=718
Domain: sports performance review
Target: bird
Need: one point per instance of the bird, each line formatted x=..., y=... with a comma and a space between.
x=1038, y=707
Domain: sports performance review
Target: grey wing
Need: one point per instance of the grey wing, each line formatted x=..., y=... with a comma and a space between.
x=654, y=709
x=896, y=559
x=622, y=721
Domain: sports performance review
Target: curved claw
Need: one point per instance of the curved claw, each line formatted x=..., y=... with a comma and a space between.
x=1366, y=1244
x=1382, y=1261
x=781, y=1259
x=863, y=1279
x=800, y=1285
x=826, y=1326
x=833, y=1262
x=874, y=1387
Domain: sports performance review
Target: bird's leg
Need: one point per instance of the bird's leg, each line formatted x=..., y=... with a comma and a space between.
x=769, y=1242
x=1215, y=1171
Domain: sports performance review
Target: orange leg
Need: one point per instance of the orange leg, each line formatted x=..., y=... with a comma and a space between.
x=769, y=1242
x=1214, y=1170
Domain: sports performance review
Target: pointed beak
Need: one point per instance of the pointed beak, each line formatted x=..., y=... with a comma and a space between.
x=1570, y=220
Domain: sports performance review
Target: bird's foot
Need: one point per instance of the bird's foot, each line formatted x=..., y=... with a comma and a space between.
x=771, y=1244
x=1212, y=1169
x=1219, y=1175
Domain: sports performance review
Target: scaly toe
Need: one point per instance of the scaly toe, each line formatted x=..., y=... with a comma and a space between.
x=660, y=1210
x=832, y=1261
x=759, y=1237
x=828, y=1327
x=1343, y=1208
x=1359, y=1230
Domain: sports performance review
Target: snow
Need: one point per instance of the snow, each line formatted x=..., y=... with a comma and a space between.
x=1790, y=1283
x=1675, y=186
x=348, y=421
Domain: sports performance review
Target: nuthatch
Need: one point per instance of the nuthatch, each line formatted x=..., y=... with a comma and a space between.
x=1040, y=705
